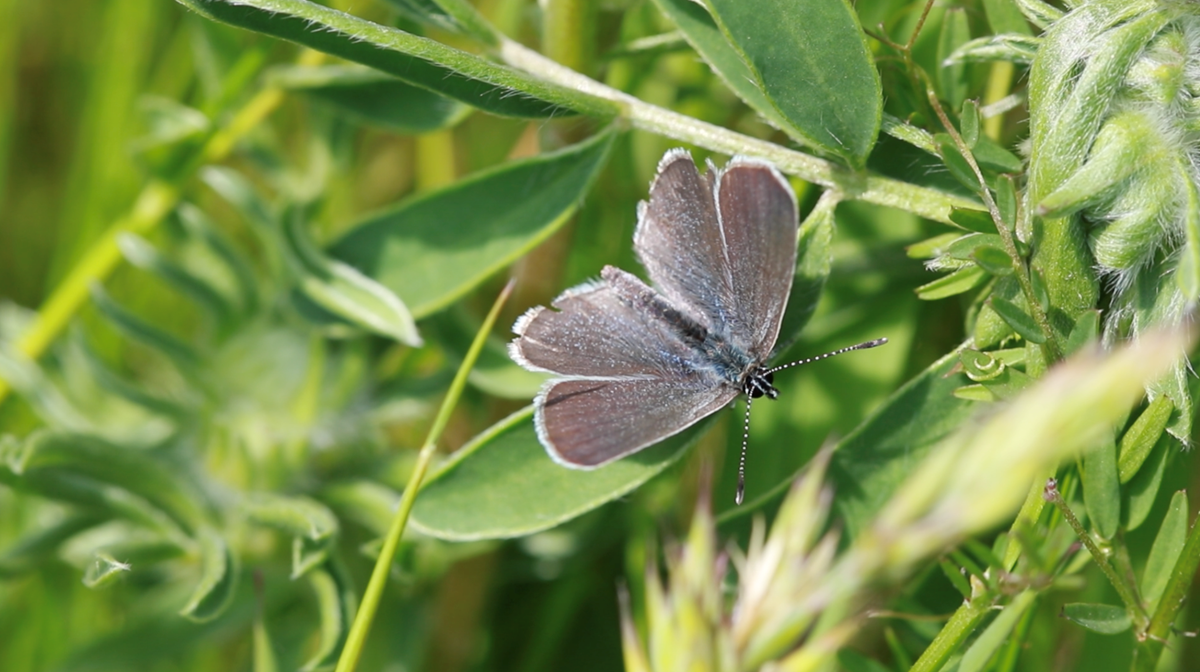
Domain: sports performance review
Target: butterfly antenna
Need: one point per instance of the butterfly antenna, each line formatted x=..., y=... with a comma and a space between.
x=861, y=346
x=741, y=486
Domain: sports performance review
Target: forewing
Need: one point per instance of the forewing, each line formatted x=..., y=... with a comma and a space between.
x=594, y=333
x=757, y=212
x=678, y=240
x=589, y=423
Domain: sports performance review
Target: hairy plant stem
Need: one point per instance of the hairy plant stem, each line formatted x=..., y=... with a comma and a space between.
x=1132, y=604
x=1021, y=268
x=928, y=203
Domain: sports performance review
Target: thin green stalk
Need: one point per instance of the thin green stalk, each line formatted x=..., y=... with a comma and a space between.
x=954, y=635
x=379, y=575
x=1132, y=604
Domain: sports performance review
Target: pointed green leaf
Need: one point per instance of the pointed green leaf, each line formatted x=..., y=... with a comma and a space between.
x=503, y=484
x=1105, y=619
x=1139, y=440
x=993, y=260
x=1164, y=554
x=814, y=66
x=996, y=634
x=1085, y=332
x=417, y=60
x=970, y=122
x=140, y=253
x=441, y=245
x=973, y=220
x=962, y=280
x=156, y=491
x=954, y=77
x=218, y=579
x=335, y=604
x=103, y=570
x=372, y=97
x=1018, y=319
x=1102, y=488
x=297, y=516
x=1144, y=486
x=134, y=327
x=1011, y=48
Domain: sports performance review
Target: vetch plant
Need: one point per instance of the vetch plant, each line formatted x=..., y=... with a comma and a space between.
x=253, y=409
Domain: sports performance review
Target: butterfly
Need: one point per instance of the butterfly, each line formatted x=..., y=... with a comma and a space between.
x=634, y=363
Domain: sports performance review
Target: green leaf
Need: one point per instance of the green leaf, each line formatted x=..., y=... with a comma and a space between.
x=962, y=280
x=993, y=260
x=1165, y=552
x=345, y=292
x=814, y=67
x=335, y=604
x=1139, y=440
x=103, y=570
x=1144, y=486
x=202, y=229
x=1085, y=332
x=1187, y=273
x=955, y=575
x=36, y=546
x=874, y=459
x=1019, y=49
x=706, y=38
x=973, y=220
x=1018, y=319
x=140, y=253
x=970, y=122
x=996, y=634
x=218, y=579
x=1105, y=619
x=932, y=247
x=503, y=484
x=441, y=245
x=180, y=353
x=1006, y=201
x=297, y=516
x=157, y=490
x=417, y=60
x=1004, y=16
x=953, y=77
x=372, y=97
x=1102, y=488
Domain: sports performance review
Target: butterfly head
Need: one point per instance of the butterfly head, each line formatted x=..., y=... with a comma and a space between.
x=759, y=384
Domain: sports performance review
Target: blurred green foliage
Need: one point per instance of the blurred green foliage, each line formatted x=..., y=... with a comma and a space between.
x=245, y=246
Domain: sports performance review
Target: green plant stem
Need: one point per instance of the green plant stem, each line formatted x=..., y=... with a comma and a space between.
x=156, y=200
x=928, y=203
x=1021, y=269
x=952, y=637
x=1132, y=604
x=363, y=620
x=1150, y=646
